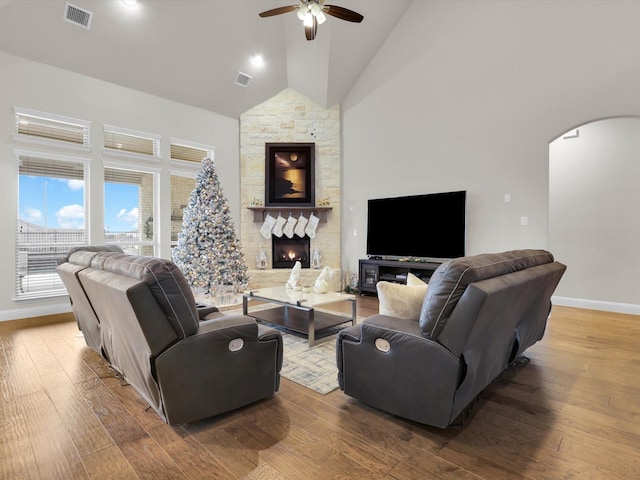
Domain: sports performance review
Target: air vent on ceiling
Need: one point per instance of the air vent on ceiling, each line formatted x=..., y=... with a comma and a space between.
x=77, y=15
x=242, y=79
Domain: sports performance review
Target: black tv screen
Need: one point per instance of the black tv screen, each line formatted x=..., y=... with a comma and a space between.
x=428, y=226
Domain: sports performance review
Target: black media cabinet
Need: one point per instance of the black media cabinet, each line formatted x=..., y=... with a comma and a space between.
x=372, y=271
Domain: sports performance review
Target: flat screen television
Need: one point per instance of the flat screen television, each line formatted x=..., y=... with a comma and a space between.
x=430, y=226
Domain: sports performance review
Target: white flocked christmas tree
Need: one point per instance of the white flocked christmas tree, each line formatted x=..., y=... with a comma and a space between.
x=209, y=252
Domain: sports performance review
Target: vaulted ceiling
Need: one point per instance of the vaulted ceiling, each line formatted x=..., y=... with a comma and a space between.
x=191, y=51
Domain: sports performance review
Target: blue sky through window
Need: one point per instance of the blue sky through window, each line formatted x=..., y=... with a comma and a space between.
x=59, y=203
x=121, y=207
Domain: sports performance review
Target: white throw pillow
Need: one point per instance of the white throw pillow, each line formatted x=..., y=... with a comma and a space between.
x=402, y=301
x=414, y=281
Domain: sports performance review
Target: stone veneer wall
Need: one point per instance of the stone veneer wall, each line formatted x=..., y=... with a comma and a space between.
x=289, y=117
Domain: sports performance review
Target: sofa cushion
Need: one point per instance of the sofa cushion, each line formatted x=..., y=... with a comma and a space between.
x=89, y=258
x=166, y=282
x=449, y=281
x=402, y=301
x=90, y=248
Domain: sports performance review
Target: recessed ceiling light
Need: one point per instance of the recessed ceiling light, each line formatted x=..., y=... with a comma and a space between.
x=130, y=3
x=257, y=60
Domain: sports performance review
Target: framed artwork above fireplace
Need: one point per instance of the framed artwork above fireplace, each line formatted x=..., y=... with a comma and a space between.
x=290, y=174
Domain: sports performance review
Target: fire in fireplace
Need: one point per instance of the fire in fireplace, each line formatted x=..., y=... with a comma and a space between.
x=288, y=251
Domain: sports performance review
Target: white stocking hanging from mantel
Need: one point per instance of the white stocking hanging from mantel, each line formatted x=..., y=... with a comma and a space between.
x=289, y=226
x=312, y=226
x=278, y=227
x=267, y=226
x=300, y=225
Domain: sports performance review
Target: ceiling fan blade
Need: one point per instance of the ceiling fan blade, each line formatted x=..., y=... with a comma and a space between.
x=310, y=32
x=342, y=13
x=279, y=10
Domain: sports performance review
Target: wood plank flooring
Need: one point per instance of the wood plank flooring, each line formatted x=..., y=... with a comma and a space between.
x=572, y=413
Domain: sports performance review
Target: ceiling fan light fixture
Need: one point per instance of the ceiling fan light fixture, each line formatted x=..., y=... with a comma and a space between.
x=308, y=20
x=314, y=13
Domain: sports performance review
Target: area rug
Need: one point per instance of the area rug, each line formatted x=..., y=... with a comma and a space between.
x=312, y=367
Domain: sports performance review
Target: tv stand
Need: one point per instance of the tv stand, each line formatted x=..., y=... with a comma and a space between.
x=373, y=270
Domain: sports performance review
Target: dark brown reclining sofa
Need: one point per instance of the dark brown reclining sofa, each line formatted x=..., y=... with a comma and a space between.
x=479, y=315
x=188, y=363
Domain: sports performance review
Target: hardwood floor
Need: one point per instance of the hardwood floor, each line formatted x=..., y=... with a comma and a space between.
x=572, y=413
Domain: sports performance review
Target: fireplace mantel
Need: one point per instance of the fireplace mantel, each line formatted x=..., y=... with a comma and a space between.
x=259, y=213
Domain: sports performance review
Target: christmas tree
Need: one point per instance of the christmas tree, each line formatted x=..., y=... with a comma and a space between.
x=208, y=251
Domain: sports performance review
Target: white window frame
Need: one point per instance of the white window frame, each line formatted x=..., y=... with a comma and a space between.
x=84, y=125
x=187, y=164
x=184, y=174
x=123, y=154
x=186, y=168
x=156, y=172
x=20, y=293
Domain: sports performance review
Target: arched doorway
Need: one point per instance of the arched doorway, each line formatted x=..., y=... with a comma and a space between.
x=594, y=213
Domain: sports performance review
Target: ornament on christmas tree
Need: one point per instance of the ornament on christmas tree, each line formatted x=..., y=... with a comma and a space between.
x=209, y=252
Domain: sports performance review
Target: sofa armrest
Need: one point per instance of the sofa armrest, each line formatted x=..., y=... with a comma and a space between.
x=268, y=334
x=394, y=330
x=219, y=323
x=389, y=364
x=241, y=323
x=205, y=310
x=224, y=366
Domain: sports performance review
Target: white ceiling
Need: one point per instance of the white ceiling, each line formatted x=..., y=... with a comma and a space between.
x=191, y=51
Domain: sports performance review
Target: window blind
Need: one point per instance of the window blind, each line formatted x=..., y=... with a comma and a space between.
x=40, y=239
x=190, y=154
x=32, y=125
x=131, y=143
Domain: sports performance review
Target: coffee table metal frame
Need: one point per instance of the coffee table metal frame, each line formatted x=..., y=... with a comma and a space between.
x=298, y=311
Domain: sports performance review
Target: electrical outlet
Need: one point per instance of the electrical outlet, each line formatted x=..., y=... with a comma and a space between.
x=507, y=198
x=524, y=221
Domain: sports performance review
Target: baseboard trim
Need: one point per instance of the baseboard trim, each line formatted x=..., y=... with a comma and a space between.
x=629, y=308
x=36, y=311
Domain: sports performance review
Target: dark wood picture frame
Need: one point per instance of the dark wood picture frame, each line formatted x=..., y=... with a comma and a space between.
x=290, y=174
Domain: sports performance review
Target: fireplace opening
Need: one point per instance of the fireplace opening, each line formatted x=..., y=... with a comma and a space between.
x=288, y=251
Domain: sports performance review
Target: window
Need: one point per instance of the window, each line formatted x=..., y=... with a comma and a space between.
x=53, y=188
x=189, y=152
x=46, y=127
x=186, y=158
x=123, y=140
x=129, y=209
x=51, y=220
x=181, y=188
x=132, y=168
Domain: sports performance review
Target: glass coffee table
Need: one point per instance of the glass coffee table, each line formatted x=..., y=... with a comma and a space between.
x=312, y=314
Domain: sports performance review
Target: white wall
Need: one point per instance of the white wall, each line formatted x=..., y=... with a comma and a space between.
x=40, y=87
x=468, y=95
x=593, y=213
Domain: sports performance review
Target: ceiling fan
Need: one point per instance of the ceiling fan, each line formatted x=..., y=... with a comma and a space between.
x=312, y=13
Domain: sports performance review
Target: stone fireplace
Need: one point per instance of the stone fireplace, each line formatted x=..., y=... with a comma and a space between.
x=286, y=118
x=287, y=251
